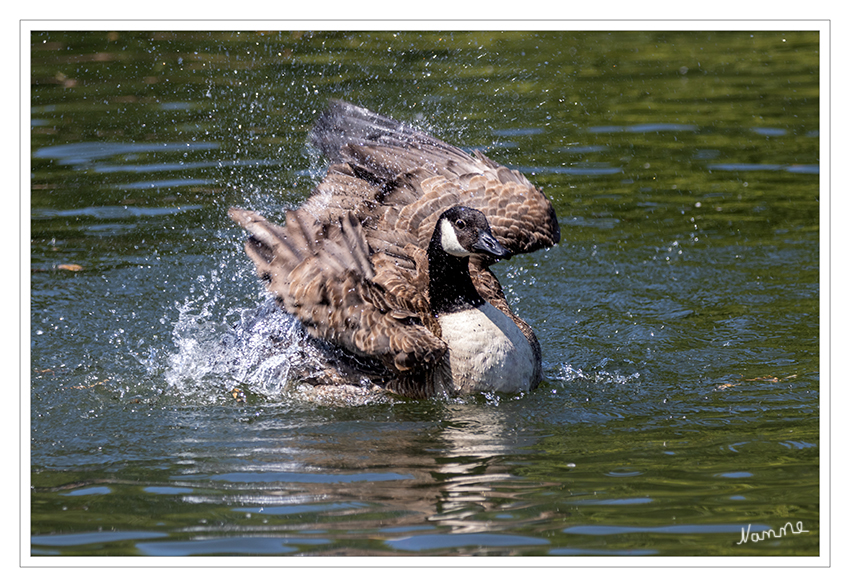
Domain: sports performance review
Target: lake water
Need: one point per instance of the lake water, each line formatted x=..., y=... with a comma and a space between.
x=679, y=315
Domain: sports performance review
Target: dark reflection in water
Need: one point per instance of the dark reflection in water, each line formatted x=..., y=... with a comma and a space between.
x=678, y=316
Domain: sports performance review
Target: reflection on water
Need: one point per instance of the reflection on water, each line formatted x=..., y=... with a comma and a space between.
x=678, y=316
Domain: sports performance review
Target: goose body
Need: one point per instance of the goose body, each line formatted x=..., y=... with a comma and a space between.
x=387, y=263
x=487, y=351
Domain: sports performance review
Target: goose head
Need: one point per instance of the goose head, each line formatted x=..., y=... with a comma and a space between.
x=459, y=234
x=463, y=232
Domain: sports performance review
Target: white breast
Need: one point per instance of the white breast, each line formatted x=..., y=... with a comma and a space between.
x=487, y=351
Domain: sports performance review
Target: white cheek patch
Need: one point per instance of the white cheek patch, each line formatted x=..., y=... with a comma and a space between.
x=449, y=240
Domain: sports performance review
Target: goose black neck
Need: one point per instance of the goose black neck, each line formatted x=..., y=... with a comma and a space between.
x=449, y=283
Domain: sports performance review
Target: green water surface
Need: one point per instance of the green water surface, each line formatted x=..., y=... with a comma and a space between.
x=678, y=316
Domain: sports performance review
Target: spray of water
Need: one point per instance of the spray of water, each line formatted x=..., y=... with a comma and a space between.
x=254, y=346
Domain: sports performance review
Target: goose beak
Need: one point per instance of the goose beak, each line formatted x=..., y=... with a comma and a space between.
x=488, y=245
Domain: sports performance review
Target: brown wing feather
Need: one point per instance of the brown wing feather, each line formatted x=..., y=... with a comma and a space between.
x=327, y=283
x=379, y=147
x=407, y=178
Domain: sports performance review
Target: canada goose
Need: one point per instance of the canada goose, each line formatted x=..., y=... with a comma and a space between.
x=388, y=261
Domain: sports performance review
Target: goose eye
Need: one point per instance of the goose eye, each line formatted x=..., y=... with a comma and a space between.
x=460, y=224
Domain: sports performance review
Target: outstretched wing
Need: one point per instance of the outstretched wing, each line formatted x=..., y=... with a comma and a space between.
x=323, y=275
x=398, y=180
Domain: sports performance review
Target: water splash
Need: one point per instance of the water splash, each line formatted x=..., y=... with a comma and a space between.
x=259, y=348
x=568, y=373
x=221, y=341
